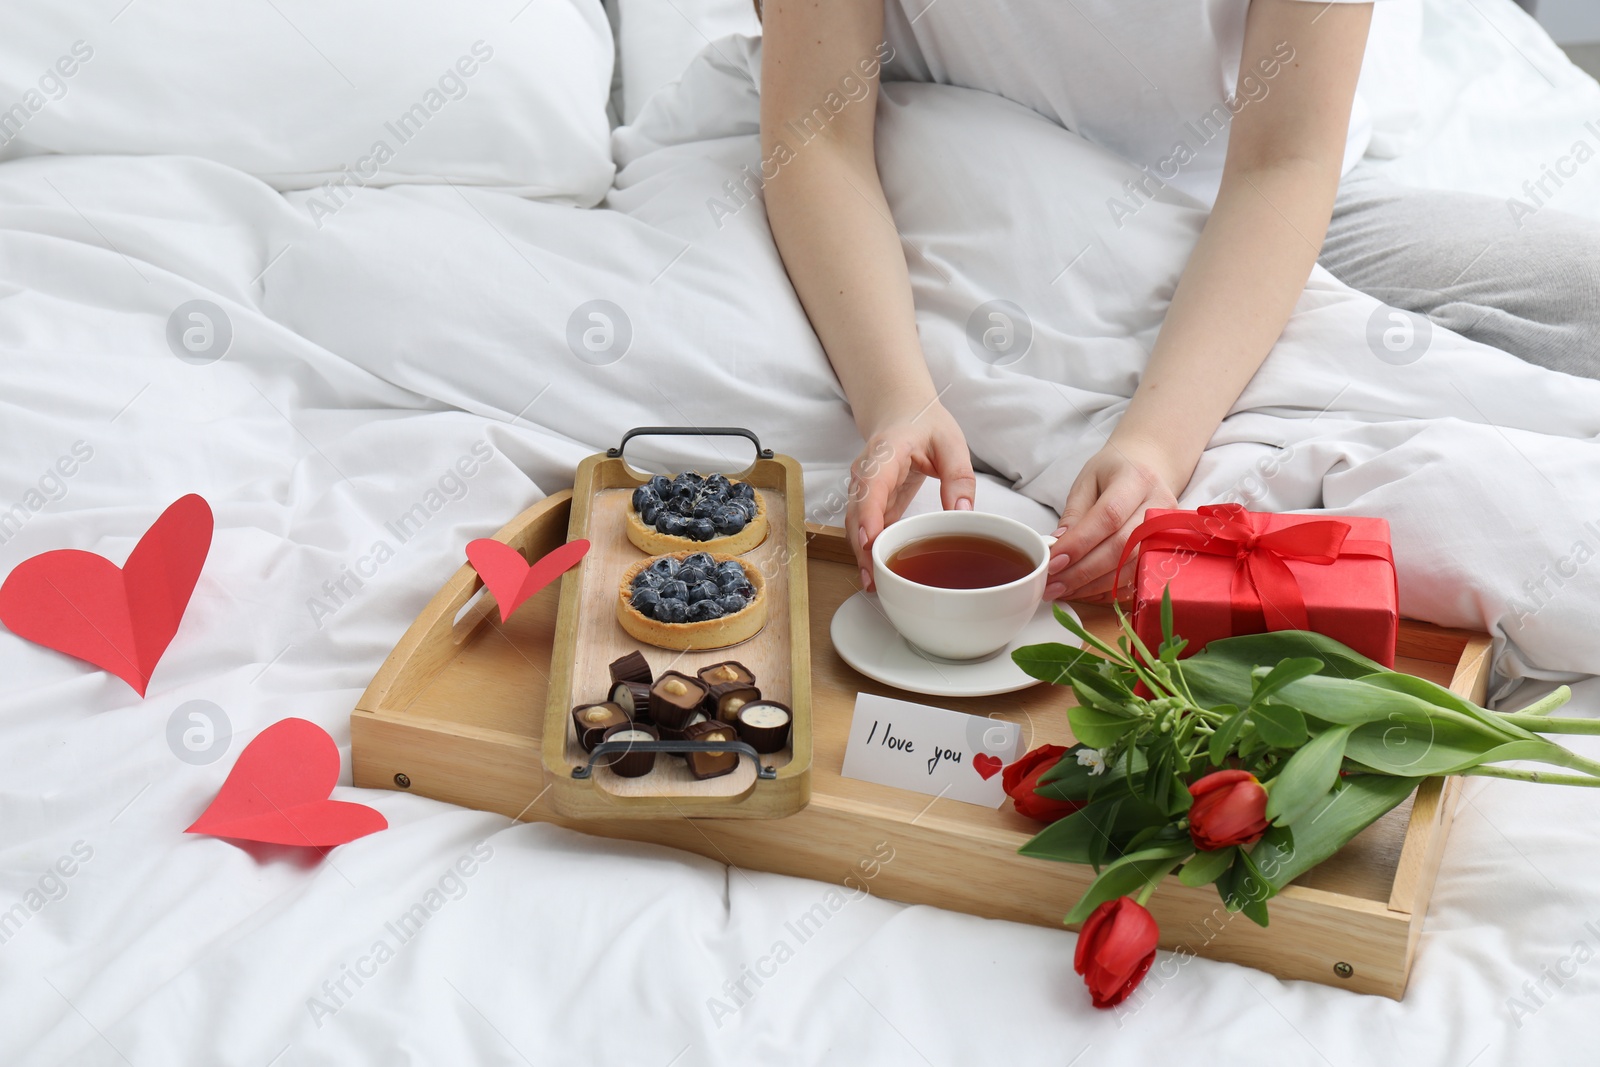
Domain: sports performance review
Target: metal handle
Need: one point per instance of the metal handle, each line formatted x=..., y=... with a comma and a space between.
x=606, y=748
x=690, y=431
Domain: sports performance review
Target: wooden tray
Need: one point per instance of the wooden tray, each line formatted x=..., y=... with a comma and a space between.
x=456, y=713
x=589, y=637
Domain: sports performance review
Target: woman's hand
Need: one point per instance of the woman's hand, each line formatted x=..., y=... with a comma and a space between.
x=1106, y=502
x=898, y=457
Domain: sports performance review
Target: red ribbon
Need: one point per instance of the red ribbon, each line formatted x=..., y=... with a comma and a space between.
x=1265, y=592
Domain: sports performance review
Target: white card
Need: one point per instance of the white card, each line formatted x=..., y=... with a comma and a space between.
x=930, y=750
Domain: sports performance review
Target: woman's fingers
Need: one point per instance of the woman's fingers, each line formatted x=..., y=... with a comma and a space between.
x=952, y=465
x=1120, y=504
x=875, y=497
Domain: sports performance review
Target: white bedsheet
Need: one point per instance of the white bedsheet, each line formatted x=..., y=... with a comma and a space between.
x=369, y=356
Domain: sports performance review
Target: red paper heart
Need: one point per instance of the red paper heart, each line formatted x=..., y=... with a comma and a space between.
x=278, y=792
x=120, y=619
x=986, y=765
x=509, y=577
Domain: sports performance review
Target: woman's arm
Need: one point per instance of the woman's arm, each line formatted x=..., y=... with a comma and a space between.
x=1247, y=270
x=839, y=244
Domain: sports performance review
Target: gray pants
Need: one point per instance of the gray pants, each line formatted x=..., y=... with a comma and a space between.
x=1528, y=286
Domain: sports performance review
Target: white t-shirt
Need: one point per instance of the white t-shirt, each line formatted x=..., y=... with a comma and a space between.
x=1152, y=80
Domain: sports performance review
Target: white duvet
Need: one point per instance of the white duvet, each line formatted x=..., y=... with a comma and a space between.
x=426, y=327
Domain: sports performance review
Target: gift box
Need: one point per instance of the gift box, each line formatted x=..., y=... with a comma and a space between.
x=1236, y=572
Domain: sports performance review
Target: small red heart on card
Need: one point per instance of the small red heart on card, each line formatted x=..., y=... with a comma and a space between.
x=278, y=792
x=510, y=578
x=118, y=618
x=986, y=765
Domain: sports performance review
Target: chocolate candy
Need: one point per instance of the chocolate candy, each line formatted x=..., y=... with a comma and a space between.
x=711, y=764
x=726, y=700
x=631, y=668
x=674, y=697
x=682, y=735
x=593, y=720
x=764, y=725
x=633, y=698
x=632, y=764
x=726, y=672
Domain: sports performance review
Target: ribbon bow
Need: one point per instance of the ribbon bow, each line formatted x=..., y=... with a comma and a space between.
x=1264, y=589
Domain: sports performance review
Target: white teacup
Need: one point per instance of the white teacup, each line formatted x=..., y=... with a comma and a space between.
x=959, y=624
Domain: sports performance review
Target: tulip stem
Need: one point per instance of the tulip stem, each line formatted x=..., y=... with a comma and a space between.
x=1545, y=704
x=1150, y=886
x=1533, y=776
x=1541, y=723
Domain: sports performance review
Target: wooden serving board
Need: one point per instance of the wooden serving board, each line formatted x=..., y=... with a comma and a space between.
x=456, y=713
x=589, y=638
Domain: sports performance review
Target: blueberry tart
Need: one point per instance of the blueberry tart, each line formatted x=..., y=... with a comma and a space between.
x=689, y=600
x=693, y=511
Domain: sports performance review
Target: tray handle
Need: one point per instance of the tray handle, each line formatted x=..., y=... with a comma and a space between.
x=606, y=748
x=689, y=431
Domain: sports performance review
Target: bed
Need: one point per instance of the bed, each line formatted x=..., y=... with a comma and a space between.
x=393, y=355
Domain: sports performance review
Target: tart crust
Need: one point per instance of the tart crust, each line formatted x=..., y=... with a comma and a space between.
x=707, y=633
x=649, y=539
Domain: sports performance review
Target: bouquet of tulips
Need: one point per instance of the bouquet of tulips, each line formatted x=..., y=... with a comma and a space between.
x=1242, y=767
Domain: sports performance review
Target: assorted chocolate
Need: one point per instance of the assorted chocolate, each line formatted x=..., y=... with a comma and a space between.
x=719, y=702
x=633, y=763
x=764, y=725
x=631, y=668
x=710, y=764
x=695, y=507
x=695, y=589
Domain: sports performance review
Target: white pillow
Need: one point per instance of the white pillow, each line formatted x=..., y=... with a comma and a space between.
x=484, y=92
x=659, y=39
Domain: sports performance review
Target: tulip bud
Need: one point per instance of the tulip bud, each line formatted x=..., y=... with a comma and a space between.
x=1229, y=808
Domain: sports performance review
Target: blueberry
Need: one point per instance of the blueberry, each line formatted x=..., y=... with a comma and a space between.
x=741, y=589
x=705, y=508
x=728, y=520
x=647, y=579
x=689, y=478
x=671, y=524
x=702, y=591
x=730, y=570
x=647, y=601
x=673, y=588
x=691, y=575
x=672, y=609
x=744, y=490
x=665, y=567
x=699, y=530
x=702, y=560
x=650, y=511
x=718, y=484
x=747, y=508
x=731, y=604
x=659, y=485
x=704, y=610
x=642, y=496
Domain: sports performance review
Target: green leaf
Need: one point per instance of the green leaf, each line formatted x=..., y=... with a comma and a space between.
x=1284, y=854
x=1289, y=670
x=1166, y=614
x=1071, y=780
x=1105, y=824
x=1051, y=661
x=1280, y=725
x=1220, y=672
x=1439, y=746
x=1308, y=775
x=1206, y=867
x=1097, y=728
x=1227, y=734
x=1128, y=875
x=1439, y=696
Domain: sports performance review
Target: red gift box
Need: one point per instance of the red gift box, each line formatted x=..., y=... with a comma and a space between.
x=1237, y=572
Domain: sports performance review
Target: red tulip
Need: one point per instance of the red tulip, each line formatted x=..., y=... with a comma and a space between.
x=1020, y=778
x=1230, y=808
x=1115, y=948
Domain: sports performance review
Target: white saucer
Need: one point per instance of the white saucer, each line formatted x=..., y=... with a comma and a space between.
x=864, y=639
